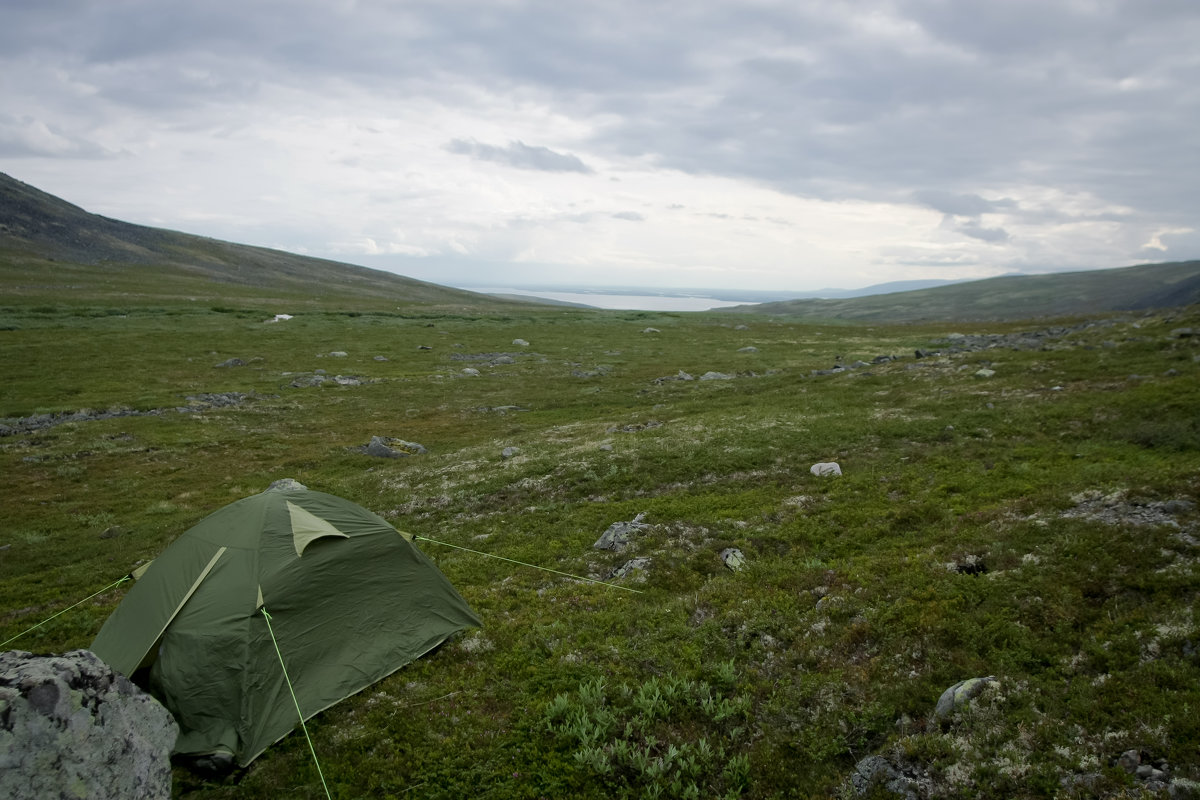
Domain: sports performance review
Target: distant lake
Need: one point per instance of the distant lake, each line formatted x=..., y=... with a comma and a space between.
x=630, y=302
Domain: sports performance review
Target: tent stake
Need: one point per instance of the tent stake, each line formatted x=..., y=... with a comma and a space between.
x=523, y=564
x=288, y=680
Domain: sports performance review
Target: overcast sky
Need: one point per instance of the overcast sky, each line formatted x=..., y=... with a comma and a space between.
x=754, y=144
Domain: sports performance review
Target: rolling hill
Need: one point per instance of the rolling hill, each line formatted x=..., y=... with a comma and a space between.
x=54, y=252
x=1011, y=297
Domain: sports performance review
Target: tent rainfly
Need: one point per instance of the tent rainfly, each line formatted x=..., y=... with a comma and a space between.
x=350, y=598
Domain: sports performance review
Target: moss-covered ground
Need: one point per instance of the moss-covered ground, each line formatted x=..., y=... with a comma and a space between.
x=956, y=543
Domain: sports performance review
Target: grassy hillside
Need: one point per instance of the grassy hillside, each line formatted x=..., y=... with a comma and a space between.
x=57, y=253
x=1020, y=503
x=1012, y=297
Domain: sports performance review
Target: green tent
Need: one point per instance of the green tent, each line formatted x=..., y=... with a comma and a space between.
x=350, y=599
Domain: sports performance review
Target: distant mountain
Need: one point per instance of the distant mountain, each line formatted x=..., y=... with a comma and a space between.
x=1011, y=297
x=53, y=251
x=891, y=287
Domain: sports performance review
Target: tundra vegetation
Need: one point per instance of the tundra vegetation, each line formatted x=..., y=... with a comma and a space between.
x=1035, y=523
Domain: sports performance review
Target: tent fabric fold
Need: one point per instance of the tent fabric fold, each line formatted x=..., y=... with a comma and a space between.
x=351, y=600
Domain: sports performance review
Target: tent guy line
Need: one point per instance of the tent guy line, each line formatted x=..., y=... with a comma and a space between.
x=65, y=610
x=524, y=564
x=288, y=679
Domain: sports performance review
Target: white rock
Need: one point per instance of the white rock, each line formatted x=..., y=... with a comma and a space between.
x=825, y=468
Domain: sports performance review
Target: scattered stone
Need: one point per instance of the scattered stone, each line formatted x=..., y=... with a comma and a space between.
x=232, y=362
x=733, y=558
x=379, y=448
x=12, y=426
x=606, y=447
x=280, y=318
x=1115, y=509
x=470, y=372
x=635, y=427
x=922, y=353
x=600, y=371
x=651, y=330
x=388, y=447
x=508, y=453
x=1183, y=333
x=679, y=376
x=492, y=358
x=634, y=564
x=338, y=354
x=748, y=349
x=287, y=485
x=424, y=347
x=984, y=373
x=347, y=380
x=307, y=381
x=71, y=727
x=876, y=772
x=961, y=694
x=520, y=342
x=716, y=376
x=882, y=359
x=741, y=327
x=824, y=469
x=111, y=533
x=381, y=358
x=968, y=565
x=616, y=537
x=501, y=410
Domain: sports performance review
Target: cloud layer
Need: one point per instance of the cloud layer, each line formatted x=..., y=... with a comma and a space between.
x=766, y=144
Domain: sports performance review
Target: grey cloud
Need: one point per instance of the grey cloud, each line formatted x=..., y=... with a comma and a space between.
x=962, y=205
x=519, y=155
x=939, y=105
x=631, y=216
x=977, y=231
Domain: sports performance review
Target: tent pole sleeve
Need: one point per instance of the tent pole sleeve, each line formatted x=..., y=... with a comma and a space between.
x=212, y=562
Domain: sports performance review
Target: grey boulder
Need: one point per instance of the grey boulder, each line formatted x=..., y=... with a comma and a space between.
x=71, y=727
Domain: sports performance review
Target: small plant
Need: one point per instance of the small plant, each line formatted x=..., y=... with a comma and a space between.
x=655, y=739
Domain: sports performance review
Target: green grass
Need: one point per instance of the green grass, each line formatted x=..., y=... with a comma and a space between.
x=833, y=643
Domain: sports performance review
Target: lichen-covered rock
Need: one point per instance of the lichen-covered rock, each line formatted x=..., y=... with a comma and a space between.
x=633, y=565
x=877, y=774
x=825, y=469
x=388, y=447
x=733, y=558
x=616, y=538
x=70, y=727
x=960, y=694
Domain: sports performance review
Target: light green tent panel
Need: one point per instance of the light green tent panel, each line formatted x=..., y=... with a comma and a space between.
x=308, y=527
x=351, y=601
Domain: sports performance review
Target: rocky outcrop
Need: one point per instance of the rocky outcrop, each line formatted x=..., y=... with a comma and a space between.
x=196, y=403
x=388, y=447
x=70, y=727
x=616, y=538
